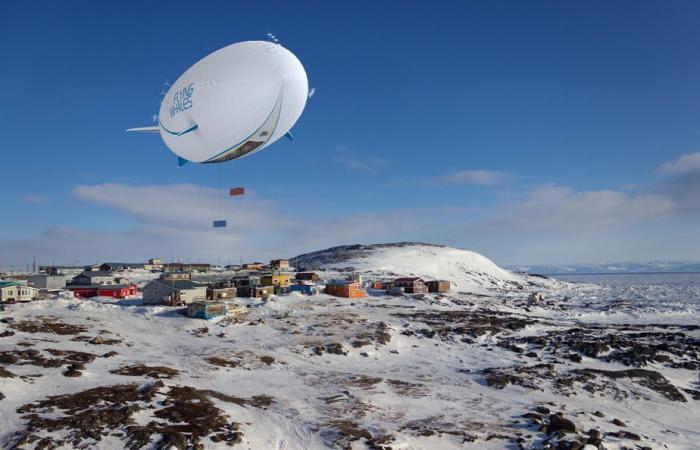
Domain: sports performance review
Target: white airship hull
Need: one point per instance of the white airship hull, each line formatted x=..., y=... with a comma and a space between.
x=234, y=102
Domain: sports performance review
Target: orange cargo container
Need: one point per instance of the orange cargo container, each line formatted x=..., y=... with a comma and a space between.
x=236, y=191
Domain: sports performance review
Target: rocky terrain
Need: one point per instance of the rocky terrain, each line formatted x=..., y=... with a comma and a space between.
x=500, y=367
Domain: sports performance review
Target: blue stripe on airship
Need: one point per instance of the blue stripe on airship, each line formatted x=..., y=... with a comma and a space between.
x=175, y=133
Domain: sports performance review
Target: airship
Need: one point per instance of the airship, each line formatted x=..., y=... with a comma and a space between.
x=232, y=103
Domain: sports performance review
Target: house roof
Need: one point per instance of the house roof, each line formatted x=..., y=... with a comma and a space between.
x=98, y=286
x=407, y=280
x=340, y=282
x=4, y=284
x=97, y=273
x=179, y=284
x=305, y=275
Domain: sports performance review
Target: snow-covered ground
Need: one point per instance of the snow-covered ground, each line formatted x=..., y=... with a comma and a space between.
x=424, y=372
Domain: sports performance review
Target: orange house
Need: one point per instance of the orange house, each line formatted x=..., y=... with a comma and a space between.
x=344, y=288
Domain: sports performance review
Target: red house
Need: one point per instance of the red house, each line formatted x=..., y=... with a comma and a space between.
x=411, y=285
x=107, y=290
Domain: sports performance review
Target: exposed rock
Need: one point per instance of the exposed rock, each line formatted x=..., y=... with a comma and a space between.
x=560, y=423
x=647, y=378
x=618, y=422
x=149, y=371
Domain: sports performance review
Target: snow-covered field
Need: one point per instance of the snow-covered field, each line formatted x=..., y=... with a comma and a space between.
x=483, y=367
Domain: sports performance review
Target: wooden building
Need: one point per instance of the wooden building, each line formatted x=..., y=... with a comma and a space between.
x=173, y=292
x=438, y=286
x=221, y=293
x=276, y=279
x=306, y=276
x=279, y=264
x=118, y=291
x=344, y=288
x=411, y=285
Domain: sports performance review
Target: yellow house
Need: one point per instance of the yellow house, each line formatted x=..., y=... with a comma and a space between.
x=276, y=279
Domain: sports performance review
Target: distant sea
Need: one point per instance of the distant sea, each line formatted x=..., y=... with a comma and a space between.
x=626, y=279
x=651, y=295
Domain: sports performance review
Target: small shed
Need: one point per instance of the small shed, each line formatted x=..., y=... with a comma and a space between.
x=206, y=310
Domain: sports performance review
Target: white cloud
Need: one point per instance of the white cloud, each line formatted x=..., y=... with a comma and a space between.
x=681, y=182
x=560, y=208
x=175, y=220
x=474, y=177
x=351, y=160
x=688, y=163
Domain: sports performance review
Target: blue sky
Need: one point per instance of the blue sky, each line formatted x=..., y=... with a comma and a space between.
x=532, y=132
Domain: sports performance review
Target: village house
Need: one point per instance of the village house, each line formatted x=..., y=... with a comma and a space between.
x=344, y=288
x=68, y=271
x=13, y=291
x=173, y=292
x=118, y=291
x=95, y=278
x=111, y=266
x=256, y=291
x=306, y=276
x=180, y=275
x=245, y=281
x=153, y=264
x=253, y=266
x=47, y=282
x=221, y=291
x=279, y=264
x=438, y=286
x=193, y=267
x=411, y=285
x=276, y=279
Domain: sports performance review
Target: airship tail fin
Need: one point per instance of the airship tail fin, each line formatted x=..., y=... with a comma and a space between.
x=181, y=161
x=145, y=129
x=289, y=136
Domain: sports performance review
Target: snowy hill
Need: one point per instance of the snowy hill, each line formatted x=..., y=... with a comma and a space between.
x=467, y=270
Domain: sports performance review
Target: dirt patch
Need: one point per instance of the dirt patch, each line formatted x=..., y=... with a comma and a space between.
x=199, y=332
x=180, y=417
x=71, y=356
x=222, y=362
x=267, y=359
x=29, y=357
x=408, y=389
x=4, y=373
x=48, y=326
x=363, y=381
x=342, y=433
x=140, y=370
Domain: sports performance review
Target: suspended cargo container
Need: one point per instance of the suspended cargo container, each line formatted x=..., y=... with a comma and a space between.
x=219, y=224
x=236, y=191
x=206, y=310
